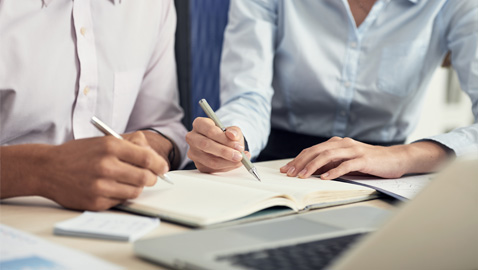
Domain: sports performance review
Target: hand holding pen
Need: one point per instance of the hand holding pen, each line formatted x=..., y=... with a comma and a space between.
x=216, y=149
x=109, y=131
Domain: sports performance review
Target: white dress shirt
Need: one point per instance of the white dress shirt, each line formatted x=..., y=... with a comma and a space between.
x=306, y=63
x=63, y=61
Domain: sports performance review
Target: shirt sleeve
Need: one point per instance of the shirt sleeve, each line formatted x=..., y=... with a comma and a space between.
x=247, y=69
x=157, y=105
x=460, y=22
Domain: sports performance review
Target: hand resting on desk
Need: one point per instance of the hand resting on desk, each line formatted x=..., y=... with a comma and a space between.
x=340, y=156
x=87, y=174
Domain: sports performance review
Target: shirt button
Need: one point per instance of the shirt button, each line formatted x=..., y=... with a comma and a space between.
x=347, y=84
x=86, y=90
x=83, y=31
x=353, y=44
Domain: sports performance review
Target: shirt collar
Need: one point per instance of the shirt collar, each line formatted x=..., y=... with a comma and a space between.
x=45, y=3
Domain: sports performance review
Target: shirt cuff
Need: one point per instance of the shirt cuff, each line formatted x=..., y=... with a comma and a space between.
x=460, y=145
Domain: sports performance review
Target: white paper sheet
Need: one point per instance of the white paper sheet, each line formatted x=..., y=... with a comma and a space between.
x=402, y=188
x=21, y=250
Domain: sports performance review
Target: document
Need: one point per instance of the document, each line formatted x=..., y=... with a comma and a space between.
x=402, y=188
x=107, y=226
x=198, y=199
x=21, y=250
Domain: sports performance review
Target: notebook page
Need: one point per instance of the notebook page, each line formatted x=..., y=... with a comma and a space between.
x=194, y=199
x=303, y=191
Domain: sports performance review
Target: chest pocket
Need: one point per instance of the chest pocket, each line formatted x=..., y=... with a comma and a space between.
x=400, y=67
x=126, y=87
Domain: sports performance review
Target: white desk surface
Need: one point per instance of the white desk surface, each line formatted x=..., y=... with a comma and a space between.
x=37, y=216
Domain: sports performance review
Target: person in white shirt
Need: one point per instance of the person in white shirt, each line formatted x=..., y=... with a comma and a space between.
x=62, y=62
x=338, y=85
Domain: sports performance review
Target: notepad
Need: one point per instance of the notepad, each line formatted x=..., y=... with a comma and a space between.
x=107, y=226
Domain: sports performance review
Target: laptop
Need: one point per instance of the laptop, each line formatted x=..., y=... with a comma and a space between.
x=438, y=229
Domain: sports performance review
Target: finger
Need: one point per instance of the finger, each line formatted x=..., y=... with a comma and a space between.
x=206, y=162
x=137, y=138
x=344, y=168
x=114, y=190
x=308, y=154
x=97, y=204
x=140, y=139
x=205, y=169
x=323, y=159
x=136, y=176
x=235, y=134
x=200, y=143
x=88, y=201
x=286, y=167
x=207, y=128
x=125, y=173
x=143, y=157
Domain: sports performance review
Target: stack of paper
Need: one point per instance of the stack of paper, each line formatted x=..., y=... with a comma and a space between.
x=107, y=226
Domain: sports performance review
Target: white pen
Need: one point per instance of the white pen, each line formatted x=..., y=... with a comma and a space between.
x=245, y=161
x=109, y=131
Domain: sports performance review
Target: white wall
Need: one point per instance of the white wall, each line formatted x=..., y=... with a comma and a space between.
x=438, y=115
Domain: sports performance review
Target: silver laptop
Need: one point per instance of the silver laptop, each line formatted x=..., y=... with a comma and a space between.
x=437, y=230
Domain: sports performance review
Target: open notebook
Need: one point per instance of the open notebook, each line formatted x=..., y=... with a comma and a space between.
x=200, y=200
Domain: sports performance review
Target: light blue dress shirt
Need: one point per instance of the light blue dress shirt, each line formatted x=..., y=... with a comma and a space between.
x=308, y=63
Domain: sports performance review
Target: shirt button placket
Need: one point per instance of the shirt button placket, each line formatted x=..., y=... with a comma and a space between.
x=87, y=97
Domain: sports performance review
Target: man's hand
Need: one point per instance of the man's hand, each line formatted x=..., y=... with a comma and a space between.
x=340, y=156
x=213, y=150
x=156, y=142
x=88, y=174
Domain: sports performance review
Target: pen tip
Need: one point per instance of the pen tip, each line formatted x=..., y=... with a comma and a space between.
x=256, y=175
x=166, y=179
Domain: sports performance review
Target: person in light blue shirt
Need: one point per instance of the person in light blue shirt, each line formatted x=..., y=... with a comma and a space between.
x=338, y=84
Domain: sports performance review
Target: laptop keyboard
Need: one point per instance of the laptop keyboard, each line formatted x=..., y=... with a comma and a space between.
x=311, y=255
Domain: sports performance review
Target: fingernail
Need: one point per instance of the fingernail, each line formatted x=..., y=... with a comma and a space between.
x=237, y=156
x=324, y=175
x=290, y=171
x=239, y=147
x=302, y=173
x=233, y=132
x=285, y=167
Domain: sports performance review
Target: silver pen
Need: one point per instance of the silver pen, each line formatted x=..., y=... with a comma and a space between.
x=109, y=131
x=245, y=161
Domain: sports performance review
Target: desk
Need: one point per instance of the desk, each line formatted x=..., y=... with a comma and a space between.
x=38, y=215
